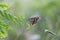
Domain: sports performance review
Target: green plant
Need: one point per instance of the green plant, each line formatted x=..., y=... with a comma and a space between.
x=6, y=16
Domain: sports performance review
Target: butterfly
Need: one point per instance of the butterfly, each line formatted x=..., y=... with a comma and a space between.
x=33, y=20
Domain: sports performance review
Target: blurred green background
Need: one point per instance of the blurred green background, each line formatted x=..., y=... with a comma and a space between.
x=49, y=12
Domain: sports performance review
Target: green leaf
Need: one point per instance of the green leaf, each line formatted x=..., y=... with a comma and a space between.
x=3, y=5
x=3, y=34
x=5, y=26
x=3, y=30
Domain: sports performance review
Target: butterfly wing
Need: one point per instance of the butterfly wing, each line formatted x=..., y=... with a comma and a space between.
x=33, y=20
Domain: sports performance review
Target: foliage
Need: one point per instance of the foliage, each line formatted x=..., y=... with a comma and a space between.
x=3, y=30
x=3, y=27
x=5, y=15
